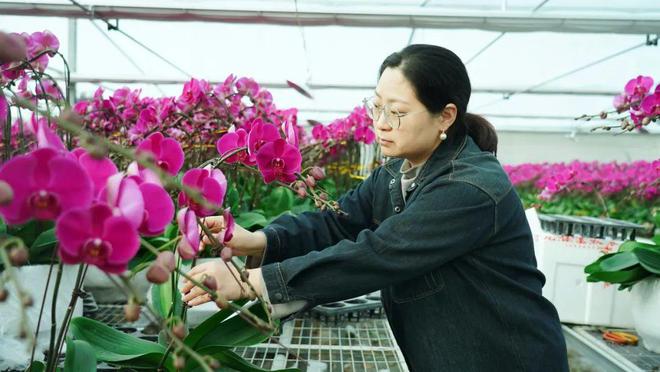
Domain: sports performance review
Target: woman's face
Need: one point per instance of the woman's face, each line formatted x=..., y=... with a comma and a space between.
x=419, y=131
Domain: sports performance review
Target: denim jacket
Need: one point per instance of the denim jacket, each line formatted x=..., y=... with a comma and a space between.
x=455, y=264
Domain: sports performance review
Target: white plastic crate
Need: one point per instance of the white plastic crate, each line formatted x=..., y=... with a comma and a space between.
x=562, y=260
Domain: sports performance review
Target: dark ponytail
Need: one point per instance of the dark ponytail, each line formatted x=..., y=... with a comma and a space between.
x=439, y=77
x=482, y=132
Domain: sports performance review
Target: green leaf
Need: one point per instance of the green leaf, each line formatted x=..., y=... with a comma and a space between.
x=228, y=333
x=3, y=226
x=116, y=347
x=250, y=220
x=280, y=200
x=626, y=246
x=210, y=324
x=623, y=276
x=232, y=199
x=656, y=238
x=649, y=258
x=79, y=356
x=41, y=249
x=236, y=331
x=619, y=261
x=161, y=297
x=37, y=366
x=230, y=359
x=595, y=266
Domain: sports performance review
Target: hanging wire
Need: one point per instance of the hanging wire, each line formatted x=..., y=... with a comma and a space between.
x=412, y=32
x=105, y=35
x=498, y=37
x=128, y=57
x=116, y=28
x=561, y=76
x=304, y=43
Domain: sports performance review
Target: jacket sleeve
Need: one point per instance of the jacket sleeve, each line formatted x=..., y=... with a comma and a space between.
x=433, y=230
x=291, y=236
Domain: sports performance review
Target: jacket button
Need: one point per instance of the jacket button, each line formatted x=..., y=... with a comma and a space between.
x=392, y=181
x=278, y=297
x=397, y=209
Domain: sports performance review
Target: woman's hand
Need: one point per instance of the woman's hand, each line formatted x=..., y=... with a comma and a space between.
x=243, y=242
x=225, y=276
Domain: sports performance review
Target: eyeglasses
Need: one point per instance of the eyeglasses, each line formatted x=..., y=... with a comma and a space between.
x=392, y=115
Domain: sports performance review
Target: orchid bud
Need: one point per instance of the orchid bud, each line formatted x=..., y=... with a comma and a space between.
x=6, y=193
x=179, y=362
x=603, y=115
x=27, y=301
x=646, y=120
x=18, y=256
x=226, y=254
x=302, y=193
x=323, y=196
x=131, y=311
x=310, y=181
x=3, y=294
x=157, y=274
x=167, y=259
x=214, y=364
x=317, y=173
x=12, y=48
x=299, y=185
x=210, y=283
x=179, y=331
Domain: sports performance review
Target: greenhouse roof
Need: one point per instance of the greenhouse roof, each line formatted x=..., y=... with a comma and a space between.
x=534, y=65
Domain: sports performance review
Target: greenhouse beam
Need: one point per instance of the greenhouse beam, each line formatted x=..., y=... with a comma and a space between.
x=395, y=16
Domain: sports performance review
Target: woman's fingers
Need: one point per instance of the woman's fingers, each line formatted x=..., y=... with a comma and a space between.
x=194, y=293
x=202, y=299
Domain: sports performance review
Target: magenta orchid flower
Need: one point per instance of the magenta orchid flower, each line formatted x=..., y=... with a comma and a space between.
x=189, y=243
x=651, y=104
x=167, y=152
x=158, y=205
x=247, y=87
x=260, y=134
x=42, y=41
x=230, y=142
x=123, y=195
x=46, y=137
x=365, y=134
x=230, y=224
x=95, y=236
x=639, y=86
x=158, y=209
x=45, y=184
x=142, y=174
x=279, y=160
x=99, y=170
x=211, y=183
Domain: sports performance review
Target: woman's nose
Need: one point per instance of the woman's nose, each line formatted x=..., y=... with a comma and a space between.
x=381, y=124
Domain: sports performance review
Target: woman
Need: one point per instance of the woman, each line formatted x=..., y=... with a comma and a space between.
x=439, y=230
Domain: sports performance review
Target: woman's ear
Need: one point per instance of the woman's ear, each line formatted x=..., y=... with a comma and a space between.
x=448, y=116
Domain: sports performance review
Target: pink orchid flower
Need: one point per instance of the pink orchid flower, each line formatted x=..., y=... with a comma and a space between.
x=189, y=243
x=95, y=236
x=45, y=184
x=123, y=195
x=230, y=142
x=211, y=183
x=167, y=152
x=279, y=160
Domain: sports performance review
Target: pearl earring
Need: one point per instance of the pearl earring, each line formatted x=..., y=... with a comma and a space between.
x=443, y=136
